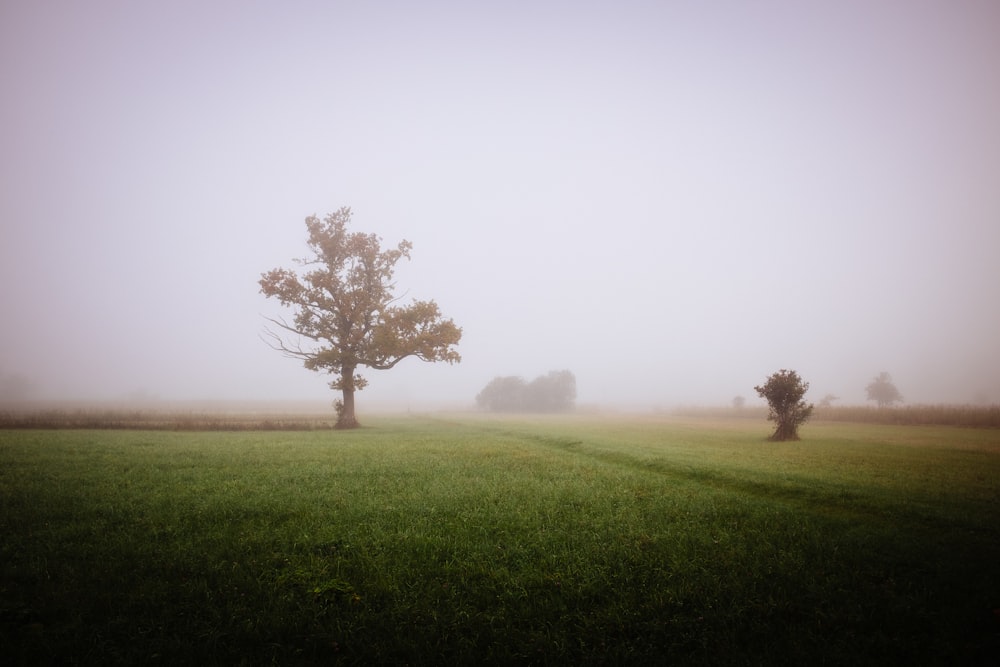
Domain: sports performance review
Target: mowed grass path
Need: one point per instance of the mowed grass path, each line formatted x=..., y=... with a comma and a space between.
x=502, y=541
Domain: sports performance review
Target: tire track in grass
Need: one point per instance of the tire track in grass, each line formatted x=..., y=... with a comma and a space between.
x=896, y=540
x=823, y=498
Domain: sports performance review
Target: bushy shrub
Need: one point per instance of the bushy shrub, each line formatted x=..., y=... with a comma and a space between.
x=784, y=391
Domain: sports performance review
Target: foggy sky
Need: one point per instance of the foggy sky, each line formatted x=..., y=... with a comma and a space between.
x=670, y=199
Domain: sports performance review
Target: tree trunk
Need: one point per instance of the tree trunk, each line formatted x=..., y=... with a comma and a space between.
x=345, y=416
x=787, y=429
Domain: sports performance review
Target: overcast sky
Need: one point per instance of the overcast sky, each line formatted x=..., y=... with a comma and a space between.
x=670, y=199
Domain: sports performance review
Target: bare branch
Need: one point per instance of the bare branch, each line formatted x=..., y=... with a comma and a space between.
x=276, y=342
x=386, y=365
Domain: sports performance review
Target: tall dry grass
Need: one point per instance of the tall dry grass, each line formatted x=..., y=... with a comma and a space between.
x=265, y=420
x=975, y=416
x=152, y=420
x=915, y=415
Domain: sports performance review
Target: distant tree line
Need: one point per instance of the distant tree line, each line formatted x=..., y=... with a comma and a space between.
x=552, y=392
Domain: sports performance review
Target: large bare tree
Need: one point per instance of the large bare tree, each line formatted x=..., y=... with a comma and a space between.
x=346, y=314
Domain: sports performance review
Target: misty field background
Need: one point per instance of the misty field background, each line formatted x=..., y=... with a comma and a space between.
x=546, y=540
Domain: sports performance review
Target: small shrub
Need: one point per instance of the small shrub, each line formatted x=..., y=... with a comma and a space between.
x=784, y=391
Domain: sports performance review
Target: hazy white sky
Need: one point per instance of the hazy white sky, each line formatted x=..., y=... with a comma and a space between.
x=670, y=199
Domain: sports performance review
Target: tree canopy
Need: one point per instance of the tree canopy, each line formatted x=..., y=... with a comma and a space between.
x=883, y=391
x=784, y=391
x=346, y=312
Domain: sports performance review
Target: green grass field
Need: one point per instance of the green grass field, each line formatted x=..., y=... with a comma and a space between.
x=563, y=540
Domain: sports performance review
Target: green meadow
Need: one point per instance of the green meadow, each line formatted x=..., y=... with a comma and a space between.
x=427, y=540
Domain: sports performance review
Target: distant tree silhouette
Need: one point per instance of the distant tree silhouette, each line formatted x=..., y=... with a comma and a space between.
x=553, y=392
x=784, y=391
x=883, y=391
x=502, y=394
